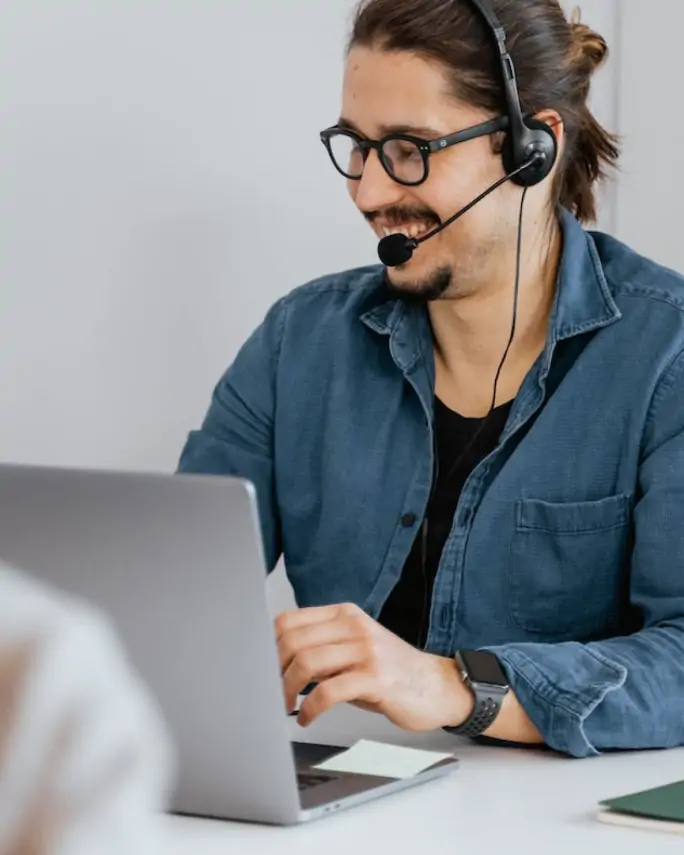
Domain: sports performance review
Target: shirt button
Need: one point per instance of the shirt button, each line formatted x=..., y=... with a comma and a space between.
x=408, y=520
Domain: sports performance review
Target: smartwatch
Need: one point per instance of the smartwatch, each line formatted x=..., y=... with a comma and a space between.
x=483, y=675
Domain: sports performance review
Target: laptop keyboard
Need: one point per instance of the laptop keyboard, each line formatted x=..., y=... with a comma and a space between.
x=306, y=780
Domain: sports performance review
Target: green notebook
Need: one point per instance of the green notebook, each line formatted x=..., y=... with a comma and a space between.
x=660, y=809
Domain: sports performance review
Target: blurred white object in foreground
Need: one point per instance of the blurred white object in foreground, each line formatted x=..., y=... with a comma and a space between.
x=85, y=761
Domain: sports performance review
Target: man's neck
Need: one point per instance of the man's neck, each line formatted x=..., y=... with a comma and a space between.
x=471, y=333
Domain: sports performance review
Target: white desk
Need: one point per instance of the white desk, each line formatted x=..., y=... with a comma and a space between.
x=501, y=800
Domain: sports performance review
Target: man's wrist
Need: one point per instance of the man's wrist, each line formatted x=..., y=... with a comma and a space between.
x=458, y=704
x=459, y=700
x=488, y=685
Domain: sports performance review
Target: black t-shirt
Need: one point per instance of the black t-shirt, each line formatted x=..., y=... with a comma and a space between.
x=461, y=444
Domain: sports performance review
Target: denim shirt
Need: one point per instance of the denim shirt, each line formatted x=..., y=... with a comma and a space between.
x=566, y=554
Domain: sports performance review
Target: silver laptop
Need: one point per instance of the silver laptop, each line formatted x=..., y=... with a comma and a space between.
x=177, y=562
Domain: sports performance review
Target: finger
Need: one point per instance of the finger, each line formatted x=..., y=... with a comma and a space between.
x=318, y=663
x=349, y=687
x=296, y=641
x=298, y=618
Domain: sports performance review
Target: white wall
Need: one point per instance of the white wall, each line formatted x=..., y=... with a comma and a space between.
x=162, y=184
x=651, y=187
x=603, y=16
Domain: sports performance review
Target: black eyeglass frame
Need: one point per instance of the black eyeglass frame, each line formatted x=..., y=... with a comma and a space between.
x=425, y=147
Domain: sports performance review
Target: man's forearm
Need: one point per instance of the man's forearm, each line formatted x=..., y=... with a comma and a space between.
x=513, y=724
x=619, y=693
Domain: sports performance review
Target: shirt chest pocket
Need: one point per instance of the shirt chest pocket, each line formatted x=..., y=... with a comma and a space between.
x=568, y=565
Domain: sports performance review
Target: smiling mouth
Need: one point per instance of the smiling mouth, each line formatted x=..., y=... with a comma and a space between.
x=410, y=230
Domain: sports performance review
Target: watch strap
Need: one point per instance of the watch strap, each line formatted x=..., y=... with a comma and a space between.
x=482, y=717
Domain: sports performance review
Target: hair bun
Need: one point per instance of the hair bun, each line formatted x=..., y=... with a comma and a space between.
x=589, y=49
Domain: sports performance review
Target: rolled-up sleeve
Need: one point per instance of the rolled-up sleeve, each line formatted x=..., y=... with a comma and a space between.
x=626, y=692
x=237, y=434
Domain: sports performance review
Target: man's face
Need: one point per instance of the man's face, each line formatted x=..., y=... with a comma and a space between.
x=385, y=91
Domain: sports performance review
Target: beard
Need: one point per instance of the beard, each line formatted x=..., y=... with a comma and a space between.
x=427, y=290
x=434, y=286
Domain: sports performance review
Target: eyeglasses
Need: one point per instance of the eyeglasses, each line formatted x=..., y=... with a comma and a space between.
x=406, y=158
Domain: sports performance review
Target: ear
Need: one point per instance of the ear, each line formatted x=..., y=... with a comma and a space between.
x=555, y=121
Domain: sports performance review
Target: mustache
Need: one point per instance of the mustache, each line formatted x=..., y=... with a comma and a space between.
x=397, y=216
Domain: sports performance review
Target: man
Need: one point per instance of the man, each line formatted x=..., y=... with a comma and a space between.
x=476, y=478
x=85, y=760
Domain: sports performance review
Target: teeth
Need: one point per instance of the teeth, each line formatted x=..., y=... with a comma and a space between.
x=413, y=231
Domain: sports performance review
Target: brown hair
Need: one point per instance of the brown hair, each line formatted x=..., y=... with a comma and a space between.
x=554, y=59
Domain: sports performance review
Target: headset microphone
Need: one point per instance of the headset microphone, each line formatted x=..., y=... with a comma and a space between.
x=397, y=249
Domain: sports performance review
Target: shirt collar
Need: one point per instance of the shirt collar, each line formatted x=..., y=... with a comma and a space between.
x=583, y=299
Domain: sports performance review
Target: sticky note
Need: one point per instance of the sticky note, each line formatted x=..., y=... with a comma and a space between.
x=384, y=760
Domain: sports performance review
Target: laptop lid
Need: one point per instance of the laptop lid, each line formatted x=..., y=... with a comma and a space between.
x=176, y=561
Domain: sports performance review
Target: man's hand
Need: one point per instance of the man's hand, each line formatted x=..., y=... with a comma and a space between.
x=355, y=660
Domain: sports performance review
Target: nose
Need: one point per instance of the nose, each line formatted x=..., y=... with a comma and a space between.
x=375, y=190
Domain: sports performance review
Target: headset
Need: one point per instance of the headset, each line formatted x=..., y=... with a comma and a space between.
x=527, y=139
x=529, y=149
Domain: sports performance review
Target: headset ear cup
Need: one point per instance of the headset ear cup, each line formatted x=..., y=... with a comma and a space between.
x=538, y=137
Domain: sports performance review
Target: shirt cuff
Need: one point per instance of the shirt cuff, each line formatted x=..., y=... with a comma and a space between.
x=559, y=686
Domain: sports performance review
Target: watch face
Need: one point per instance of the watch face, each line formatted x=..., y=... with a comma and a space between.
x=484, y=667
